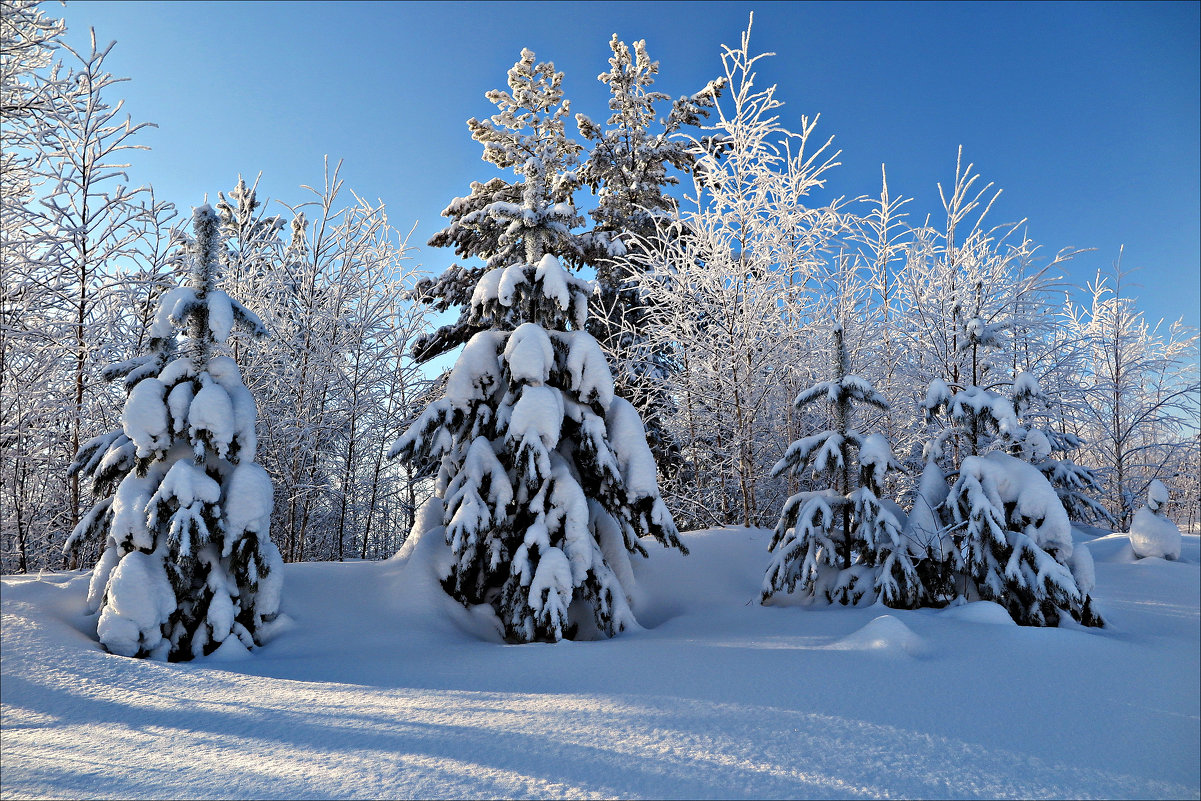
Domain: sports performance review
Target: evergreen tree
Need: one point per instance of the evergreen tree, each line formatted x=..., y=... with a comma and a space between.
x=840, y=542
x=188, y=560
x=627, y=170
x=1011, y=534
x=495, y=221
x=1151, y=532
x=545, y=483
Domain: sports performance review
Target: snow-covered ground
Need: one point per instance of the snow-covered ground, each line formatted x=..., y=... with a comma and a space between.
x=380, y=687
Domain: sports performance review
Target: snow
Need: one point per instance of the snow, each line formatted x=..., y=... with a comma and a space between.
x=538, y=412
x=477, y=370
x=1022, y=483
x=221, y=315
x=179, y=400
x=488, y=288
x=1036, y=446
x=249, y=497
x=140, y=599
x=876, y=452
x=1026, y=385
x=144, y=418
x=381, y=686
x=1153, y=535
x=937, y=393
x=1084, y=570
x=129, y=510
x=550, y=275
x=529, y=354
x=224, y=371
x=589, y=369
x=212, y=411
x=512, y=277
x=923, y=528
x=187, y=483
x=628, y=438
x=1157, y=494
x=179, y=297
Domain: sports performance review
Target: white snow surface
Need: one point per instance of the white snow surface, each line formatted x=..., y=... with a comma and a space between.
x=382, y=687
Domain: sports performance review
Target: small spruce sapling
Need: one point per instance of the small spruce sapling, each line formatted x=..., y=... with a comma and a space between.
x=1010, y=532
x=840, y=542
x=1151, y=532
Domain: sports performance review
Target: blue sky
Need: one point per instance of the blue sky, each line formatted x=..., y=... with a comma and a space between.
x=1087, y=115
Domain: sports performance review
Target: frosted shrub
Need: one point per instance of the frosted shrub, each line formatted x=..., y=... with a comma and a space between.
x=1151, y=532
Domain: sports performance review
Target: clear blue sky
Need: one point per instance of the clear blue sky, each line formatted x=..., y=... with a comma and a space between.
x=1086, y=114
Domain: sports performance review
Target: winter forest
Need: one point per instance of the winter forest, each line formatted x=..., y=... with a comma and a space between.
x=673, y=368
x=721, y=269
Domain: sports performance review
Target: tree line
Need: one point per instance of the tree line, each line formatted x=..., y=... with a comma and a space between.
x=718, y=276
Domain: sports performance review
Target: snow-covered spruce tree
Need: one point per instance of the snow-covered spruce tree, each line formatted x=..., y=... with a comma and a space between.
x=545, y=482
x=840, y=543
x=627, y=170
x=488, y=223
x=188, y=562
x=1010, y=534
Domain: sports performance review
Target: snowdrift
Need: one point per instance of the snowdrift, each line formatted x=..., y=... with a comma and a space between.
x=382, y=687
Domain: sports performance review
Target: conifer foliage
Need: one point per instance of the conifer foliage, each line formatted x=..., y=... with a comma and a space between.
x=545, y=482
x=627, y=170
x=1008, y=536
x=840, y=543
x=188, y=564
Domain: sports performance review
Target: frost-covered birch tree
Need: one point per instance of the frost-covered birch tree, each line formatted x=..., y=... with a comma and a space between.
x=545, y=483
x=732, y=292
x=71, y=225
x=33, y=494
x=1140, y=382
x=334, y=381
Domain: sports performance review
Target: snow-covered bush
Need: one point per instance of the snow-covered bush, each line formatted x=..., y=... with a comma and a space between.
x=841, y=542
x=544, y=477
x=1008, y=531
x=188, y=563
x=1151, y=532
x=1014, y=542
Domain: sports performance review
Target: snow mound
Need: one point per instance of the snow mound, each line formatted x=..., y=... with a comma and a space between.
x=979, y=612
x=885, y=634
x=1153, y=535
